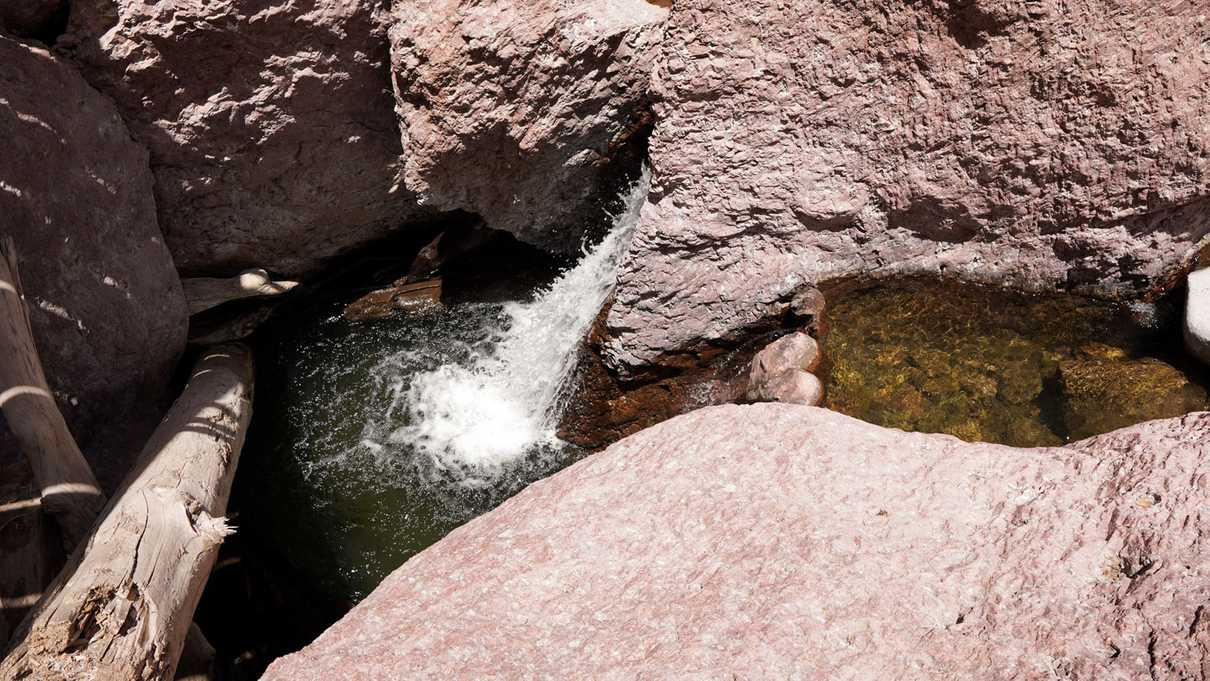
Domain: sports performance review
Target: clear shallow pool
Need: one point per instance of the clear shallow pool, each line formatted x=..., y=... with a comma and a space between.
x=997, y=366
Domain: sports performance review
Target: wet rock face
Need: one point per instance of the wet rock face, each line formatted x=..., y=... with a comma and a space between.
x=805, y=544
x=521, y=111
x=1041, y=145
x=105, y=302
x=269, y=124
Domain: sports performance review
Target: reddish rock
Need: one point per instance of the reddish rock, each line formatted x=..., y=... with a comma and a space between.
x=515, y=110
x=105, y=302
x=1037, y=144
x=793, y=386
x=401, y=296
x=777, y=541
x=270, y=125
x=793, y=351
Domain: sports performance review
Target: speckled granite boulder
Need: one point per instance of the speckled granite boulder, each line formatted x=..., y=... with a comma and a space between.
x=516, y=109
x=1037, y=144
x=780, y=542
x=270, y=125
x=105, y=302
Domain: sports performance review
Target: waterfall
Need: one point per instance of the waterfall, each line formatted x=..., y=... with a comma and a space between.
x=470, y=420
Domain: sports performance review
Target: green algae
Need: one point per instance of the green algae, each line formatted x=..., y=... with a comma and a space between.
x=997, y=366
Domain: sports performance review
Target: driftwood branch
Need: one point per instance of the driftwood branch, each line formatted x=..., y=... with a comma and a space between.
x=122, y=607
x=69, y=490
x=203, y=293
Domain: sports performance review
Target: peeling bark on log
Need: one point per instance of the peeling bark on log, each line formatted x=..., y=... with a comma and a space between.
x=122, y=607
x=70, y=492
x=203, y=293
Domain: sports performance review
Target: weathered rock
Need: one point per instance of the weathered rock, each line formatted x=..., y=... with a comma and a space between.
x=105, y=302
x=776, y=541
x=1102, y=389
x=514, y=110
x=270, y=126
x=1197, y=315
x=203, y=293
x=792, y=386
x=1032, y=144
x=793, y=352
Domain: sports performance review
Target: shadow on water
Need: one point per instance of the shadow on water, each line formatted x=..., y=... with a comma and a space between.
x=999, y=366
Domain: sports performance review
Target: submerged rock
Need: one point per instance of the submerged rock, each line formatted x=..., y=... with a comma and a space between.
x=1102, y=389
x=999, y=366
x=105, y=302
x=793, y=542
x=270, y=125
x=515, y=109
x=1013, y=143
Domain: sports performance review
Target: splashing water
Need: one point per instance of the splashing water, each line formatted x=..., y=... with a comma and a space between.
x=473, y=419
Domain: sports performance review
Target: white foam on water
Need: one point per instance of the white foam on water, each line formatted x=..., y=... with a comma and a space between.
x=472, y=420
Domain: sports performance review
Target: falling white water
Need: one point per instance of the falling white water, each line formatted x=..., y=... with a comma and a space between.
x=470, y=420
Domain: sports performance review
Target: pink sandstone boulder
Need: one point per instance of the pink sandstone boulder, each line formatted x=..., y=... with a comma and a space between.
x=1039, y=144
x=270, y=124
x=518, y=110
x=105, y=302
x=784, y=542
x=793, y=386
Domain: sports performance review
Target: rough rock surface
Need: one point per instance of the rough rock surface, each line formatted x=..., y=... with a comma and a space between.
x=792, y=351
x=105, y=302
x=270, y=125
x=1036, y=144
x=514, y=110
x=792, y=385
x=776, y=541
x=1197, y=315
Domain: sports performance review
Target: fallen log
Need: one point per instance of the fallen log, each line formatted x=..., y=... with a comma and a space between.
x=203, y=293
x=123, y=606
x=69, y=491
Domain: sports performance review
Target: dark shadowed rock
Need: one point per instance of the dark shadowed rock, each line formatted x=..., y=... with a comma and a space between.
x=1032, y=144
x=270, y=125
x=105, y=301
x=31, y=18
x=516, y=109
x=777, y=541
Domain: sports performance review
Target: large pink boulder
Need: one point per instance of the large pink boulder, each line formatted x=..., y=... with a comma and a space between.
x=778, y=541
x=522, y=110
x=270, y=124
x=1041, y=144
